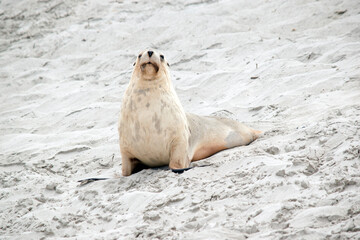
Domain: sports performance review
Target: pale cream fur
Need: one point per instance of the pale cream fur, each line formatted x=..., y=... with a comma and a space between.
x=155, y=130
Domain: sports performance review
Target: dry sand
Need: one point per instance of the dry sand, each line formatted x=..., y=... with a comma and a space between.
x=289, y=68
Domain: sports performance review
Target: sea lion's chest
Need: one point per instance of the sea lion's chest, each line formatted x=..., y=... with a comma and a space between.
x=150, y=120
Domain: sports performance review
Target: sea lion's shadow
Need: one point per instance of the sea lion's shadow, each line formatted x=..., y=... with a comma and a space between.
x=139, y=167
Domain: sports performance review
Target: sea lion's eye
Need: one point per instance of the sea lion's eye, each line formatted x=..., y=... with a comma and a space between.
x=139, y=55
x=162, y=57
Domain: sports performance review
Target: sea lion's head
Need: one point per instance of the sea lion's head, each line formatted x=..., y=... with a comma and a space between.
x=150, y=65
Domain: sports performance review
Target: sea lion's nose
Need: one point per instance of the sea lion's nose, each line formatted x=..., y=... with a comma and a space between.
x=150, y=53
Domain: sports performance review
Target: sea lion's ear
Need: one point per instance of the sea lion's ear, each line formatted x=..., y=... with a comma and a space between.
x=134, y=63
x=168, y=64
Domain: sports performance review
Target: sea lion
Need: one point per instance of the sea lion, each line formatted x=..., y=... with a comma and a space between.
x=155, y=130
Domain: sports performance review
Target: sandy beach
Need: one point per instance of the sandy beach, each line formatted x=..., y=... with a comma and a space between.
x=288, y=68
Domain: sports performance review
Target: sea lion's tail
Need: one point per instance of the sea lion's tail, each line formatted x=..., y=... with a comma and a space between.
x=256, y=133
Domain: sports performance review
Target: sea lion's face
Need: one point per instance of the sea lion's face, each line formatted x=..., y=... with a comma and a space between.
x=150, y=65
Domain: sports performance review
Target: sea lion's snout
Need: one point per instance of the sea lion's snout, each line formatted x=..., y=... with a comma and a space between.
x=154, y=65
x=149, y=62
